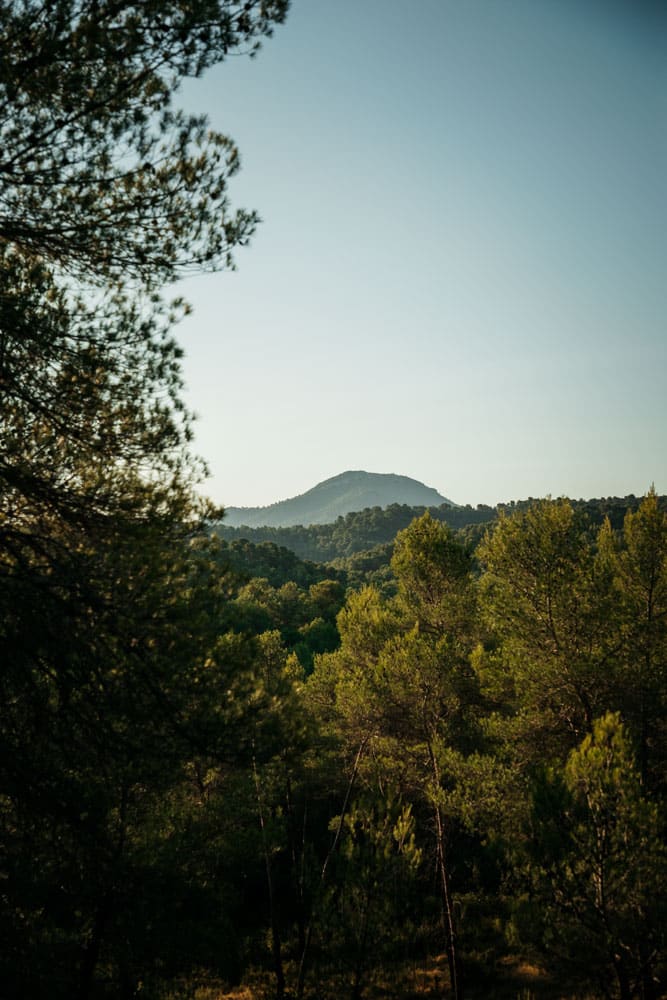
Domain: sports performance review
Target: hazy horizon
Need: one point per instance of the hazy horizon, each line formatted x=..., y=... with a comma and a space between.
x=500, y=500
x=460, y=275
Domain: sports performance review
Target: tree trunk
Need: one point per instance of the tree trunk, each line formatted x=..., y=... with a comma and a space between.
x=453, y=960
x=624, y=991
x=298, y=855
x=276, y=947
x=91, y=951
x=301, y=978
x=648, y=991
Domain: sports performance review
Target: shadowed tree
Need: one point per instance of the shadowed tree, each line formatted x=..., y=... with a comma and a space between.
x=98, y=172
x=113, y=671
x=599, y=854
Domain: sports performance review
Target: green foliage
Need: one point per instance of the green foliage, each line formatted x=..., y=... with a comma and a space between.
x=305, y=619
x=369, y=533
x=433, y=573
x=116, y=673
x=274, y=563
x=370, y=567
x=400, y=689
x=639, y=565
x=105, y=705
x=99, y=173
x=356, y=532
x=547, y=598
x=369, y=910
x=599, y=854
x=106, y=192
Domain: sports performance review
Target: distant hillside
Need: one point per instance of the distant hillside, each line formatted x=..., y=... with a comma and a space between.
x=336, y=497
x=359, y=532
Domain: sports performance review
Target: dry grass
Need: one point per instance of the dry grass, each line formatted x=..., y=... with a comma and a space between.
x=513, y=978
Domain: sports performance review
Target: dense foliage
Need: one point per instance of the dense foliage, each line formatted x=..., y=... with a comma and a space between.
x=113, y=660
x=359, y=532
x=484, y=772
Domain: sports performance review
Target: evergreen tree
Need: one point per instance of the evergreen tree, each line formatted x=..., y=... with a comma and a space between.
x=115, y=676
x=639, y=565
x=401, y=695
x=599, y=855
x=548, y=602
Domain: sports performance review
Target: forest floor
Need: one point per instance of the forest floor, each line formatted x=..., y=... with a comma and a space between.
x=511, y=979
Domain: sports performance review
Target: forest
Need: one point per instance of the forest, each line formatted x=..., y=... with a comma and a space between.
x=366, y=530
x=414, y=759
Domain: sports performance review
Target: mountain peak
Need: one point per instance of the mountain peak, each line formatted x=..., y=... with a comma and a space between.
x=349, y=491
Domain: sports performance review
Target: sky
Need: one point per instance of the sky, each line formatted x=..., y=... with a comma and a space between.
x=461, y=270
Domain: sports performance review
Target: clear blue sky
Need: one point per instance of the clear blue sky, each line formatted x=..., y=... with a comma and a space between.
x=461, y=274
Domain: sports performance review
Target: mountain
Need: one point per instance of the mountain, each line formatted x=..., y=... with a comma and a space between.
x=350, y=491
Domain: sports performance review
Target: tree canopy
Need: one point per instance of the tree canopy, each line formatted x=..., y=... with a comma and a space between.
x=106, y=192
x=118, y=675
x=100, y=174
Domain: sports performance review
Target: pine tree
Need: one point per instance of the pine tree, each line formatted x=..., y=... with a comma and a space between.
x=113, y=673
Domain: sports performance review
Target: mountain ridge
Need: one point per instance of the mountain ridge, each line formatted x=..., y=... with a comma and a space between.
x=342, y=494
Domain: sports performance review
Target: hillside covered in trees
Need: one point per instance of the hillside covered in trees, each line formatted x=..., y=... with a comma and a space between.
x=226, y=769
x=358, y=532
x=336, y=497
